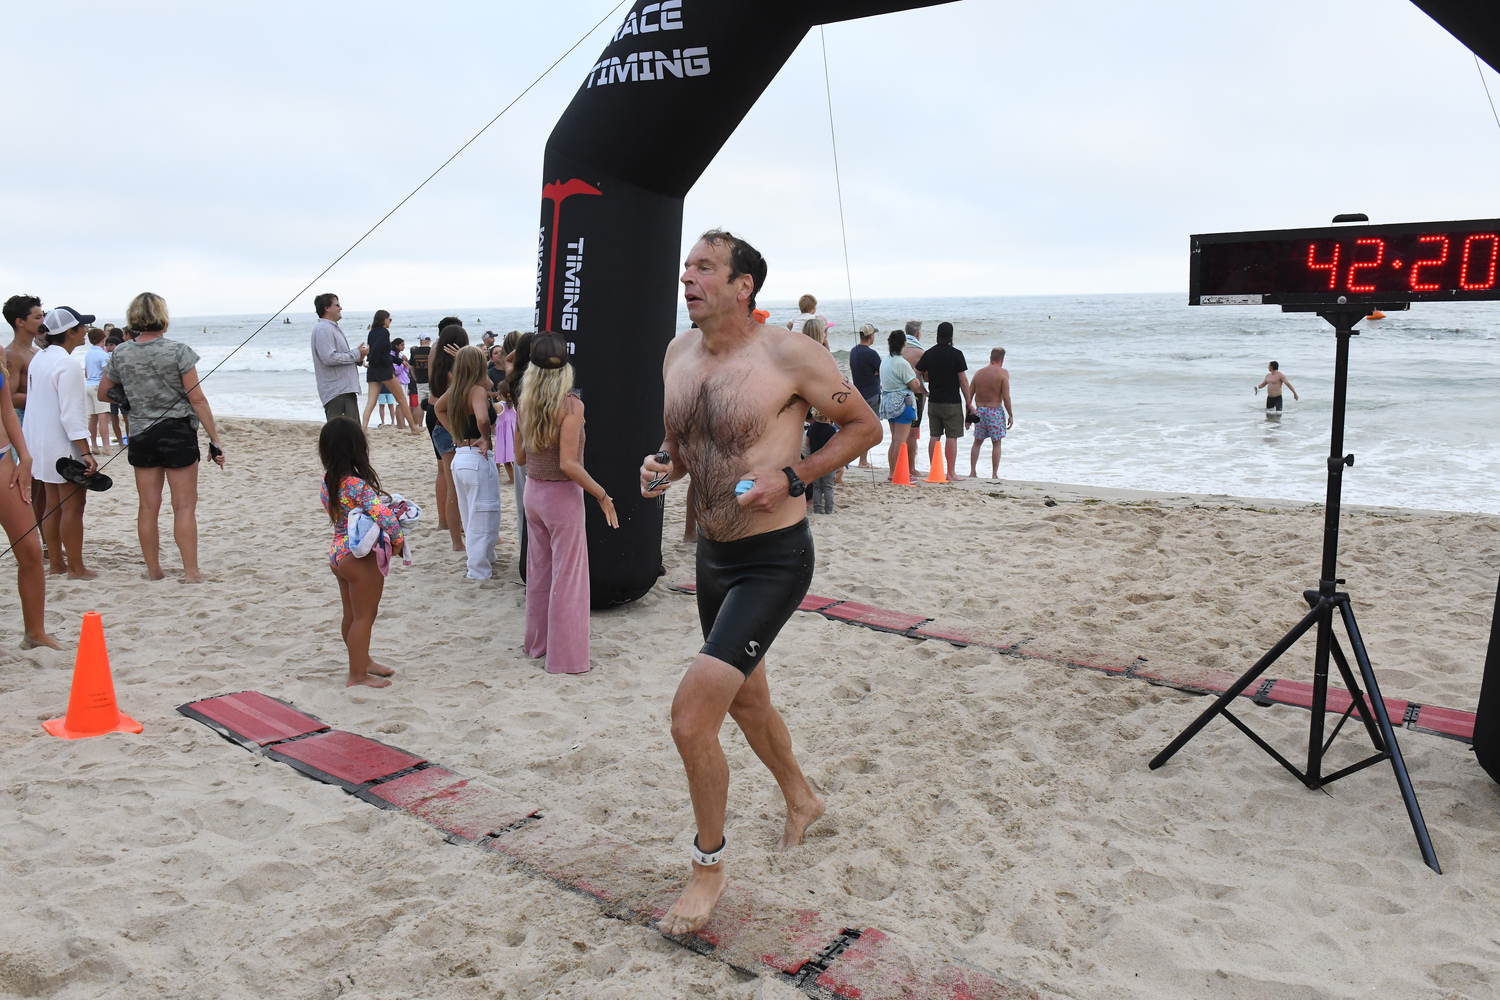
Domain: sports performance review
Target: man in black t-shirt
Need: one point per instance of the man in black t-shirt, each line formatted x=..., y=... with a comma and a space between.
x=943, y=367
x=864, y=372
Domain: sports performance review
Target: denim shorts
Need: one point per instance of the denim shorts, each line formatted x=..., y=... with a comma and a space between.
x=442, y=441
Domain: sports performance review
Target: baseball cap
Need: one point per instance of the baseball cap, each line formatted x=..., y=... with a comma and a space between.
x=62, y=319
x=425, y=338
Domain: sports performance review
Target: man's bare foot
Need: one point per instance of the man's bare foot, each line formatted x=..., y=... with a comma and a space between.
x=379, y=670
x=81, y=574
x=57, y=571
x=697, y=902
x=153, y=575
x=193, y=577
x=368, y=681
x=27, y=642
x=798, y=819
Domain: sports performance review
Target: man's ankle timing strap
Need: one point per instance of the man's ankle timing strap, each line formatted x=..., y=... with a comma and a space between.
x=708, y=859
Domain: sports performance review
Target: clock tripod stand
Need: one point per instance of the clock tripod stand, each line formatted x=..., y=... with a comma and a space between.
x=1323, y=604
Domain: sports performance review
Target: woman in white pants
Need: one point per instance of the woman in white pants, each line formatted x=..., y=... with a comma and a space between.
x=466, y=413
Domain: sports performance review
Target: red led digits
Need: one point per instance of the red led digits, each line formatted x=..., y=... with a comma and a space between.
x=1379, y=246
x=1463, y=271
x=1417, y=284
x=1332, y=267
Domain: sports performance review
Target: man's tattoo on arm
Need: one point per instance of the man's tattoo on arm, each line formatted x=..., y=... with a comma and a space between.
x=842, y=395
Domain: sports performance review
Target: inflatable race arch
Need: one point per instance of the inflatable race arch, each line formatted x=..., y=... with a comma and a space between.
x=669, y=89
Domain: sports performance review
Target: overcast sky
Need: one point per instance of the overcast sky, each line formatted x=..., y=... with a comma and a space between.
x=222, y=155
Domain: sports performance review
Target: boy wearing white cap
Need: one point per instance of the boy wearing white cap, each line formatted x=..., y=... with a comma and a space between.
x=56, y=427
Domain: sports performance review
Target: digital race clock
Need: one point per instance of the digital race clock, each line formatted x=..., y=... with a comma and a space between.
x=1355, y=265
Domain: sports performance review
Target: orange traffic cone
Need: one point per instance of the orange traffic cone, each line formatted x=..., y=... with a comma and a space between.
x=91, y=704
x=935, y=474
x=901, y=474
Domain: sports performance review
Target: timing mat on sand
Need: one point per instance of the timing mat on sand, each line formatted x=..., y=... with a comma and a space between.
x=1185, y=677
x=822, y=955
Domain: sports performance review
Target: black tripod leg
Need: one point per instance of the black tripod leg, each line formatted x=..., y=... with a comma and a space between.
x=1360, y=704
x=1408, y=795
x=1248, y=678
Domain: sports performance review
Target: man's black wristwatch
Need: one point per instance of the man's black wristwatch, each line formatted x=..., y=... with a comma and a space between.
x=795, y=486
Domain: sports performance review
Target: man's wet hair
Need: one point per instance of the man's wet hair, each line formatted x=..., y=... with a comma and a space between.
x=1275, y=367
x=18, y=307
x=997, y=354
x=743, y=259
x=945, y=333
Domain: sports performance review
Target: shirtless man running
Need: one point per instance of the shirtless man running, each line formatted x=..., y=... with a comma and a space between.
x=24, y=313
x=991, y=385
x=1272, y=383
x=737, y=393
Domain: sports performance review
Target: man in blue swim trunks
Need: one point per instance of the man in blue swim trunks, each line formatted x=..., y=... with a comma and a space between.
x=737, y=393
x=991, y=385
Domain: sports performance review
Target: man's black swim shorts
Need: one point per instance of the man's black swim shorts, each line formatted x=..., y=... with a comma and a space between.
x=748, y=588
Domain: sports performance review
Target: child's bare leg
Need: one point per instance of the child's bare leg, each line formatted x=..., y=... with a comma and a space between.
x=365, y=585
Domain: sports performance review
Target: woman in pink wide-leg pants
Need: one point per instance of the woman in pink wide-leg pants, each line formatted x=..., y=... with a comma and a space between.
x=549, y=442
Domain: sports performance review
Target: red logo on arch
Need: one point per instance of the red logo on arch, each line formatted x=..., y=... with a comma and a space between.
x=558, y=192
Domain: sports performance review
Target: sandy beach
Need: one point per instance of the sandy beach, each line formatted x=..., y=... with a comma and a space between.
x=991, y=809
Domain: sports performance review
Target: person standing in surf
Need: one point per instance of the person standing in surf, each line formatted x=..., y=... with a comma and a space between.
x=1272, y=383
x=736, y=396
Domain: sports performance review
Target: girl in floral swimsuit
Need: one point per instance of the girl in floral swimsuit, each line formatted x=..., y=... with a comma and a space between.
x=349, y=483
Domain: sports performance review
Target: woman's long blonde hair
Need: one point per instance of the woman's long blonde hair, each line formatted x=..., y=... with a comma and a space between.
x=539, y=412
x=468, y=371
x=817, y=330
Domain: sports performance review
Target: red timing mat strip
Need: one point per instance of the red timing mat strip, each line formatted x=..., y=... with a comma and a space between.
x=1186, y=677
x=343, y=759
x=251, y=717
x=751, y=931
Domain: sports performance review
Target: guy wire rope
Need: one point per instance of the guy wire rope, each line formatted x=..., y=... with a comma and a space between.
x=188, y=389
x=1485, y=84
x=837, y=184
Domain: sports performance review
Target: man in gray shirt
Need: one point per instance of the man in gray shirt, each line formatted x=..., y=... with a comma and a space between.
x=335, y=364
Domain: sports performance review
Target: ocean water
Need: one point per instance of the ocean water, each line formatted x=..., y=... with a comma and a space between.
x=1133, y=391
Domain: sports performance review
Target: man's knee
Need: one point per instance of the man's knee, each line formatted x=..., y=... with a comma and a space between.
x=691, y=730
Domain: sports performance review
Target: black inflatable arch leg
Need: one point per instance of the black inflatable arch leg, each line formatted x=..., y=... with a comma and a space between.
x=667, y=92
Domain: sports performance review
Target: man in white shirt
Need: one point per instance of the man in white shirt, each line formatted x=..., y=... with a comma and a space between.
x=56, y=427
x=335, y=364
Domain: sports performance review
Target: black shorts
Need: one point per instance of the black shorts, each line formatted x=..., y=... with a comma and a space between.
x=172, y=443
x=1273, y=402
x=380, y=373
x=748, y=588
